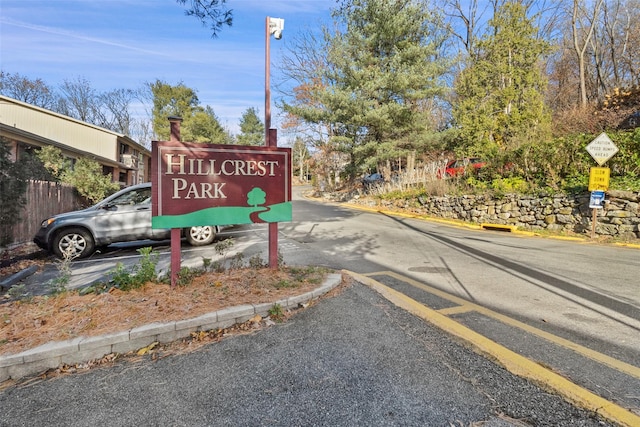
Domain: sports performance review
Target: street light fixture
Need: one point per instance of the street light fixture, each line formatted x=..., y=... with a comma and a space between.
x=274, y=26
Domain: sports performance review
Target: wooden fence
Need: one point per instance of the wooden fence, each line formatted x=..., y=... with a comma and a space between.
x=43, y=200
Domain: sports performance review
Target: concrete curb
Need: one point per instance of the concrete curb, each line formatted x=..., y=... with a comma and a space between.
x=8, y=282
x=82, y=349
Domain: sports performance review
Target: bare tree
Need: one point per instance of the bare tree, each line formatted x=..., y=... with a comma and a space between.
x=467, y=19
x=80, y=100
x=563, y=78
x=630, y=53
x=301, y=70
x=547, y=15
x=141, y=131
x=615, y=23
x=116, y=110
x=468, y=16
x=583, y=25
x=616, y=47
x=35, y=92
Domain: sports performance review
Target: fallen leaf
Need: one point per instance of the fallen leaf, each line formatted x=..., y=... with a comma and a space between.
x=147, y=349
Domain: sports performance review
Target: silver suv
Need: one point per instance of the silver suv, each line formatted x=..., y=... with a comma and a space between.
x=122, y=217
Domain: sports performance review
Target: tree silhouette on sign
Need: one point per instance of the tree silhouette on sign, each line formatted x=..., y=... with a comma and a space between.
x=256, y=197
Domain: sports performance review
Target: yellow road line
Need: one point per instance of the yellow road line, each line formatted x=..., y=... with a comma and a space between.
x=512, y=361
x=458, y=309
x=469, y=306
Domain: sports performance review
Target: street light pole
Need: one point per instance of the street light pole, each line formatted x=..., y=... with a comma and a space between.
x=272, y=26
x=267, y=82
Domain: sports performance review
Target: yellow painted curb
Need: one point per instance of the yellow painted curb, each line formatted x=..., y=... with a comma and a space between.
x=629, y=245
x=414, y=216
x=512, y=228
x=510, y=360
x=502, y=227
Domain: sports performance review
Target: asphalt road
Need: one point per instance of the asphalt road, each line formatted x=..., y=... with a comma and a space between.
x=347, y=357
x=570, y=306
x=353, y=359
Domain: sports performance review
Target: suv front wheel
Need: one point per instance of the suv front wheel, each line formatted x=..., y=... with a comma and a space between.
x=73, y=243
x=200, y=235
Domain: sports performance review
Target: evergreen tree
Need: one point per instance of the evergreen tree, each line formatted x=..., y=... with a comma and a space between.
x=203, y=126
x=500, y=96
x=212, y=12
x=251, y=128
x=177, y=101
x=382, y=64
x=199, y=124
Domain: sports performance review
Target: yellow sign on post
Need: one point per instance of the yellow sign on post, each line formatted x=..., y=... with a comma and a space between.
x=599, y=179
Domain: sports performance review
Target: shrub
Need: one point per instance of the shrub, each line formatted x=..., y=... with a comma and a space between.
x=510, y=185
x=139, y=274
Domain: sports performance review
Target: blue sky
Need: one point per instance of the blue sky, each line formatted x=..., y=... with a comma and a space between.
x=118, y=44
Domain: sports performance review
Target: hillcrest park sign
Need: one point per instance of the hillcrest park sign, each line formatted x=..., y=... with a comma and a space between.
x=210, y=184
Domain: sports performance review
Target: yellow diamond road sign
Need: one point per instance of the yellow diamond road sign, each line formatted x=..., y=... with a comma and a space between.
x=602, y=148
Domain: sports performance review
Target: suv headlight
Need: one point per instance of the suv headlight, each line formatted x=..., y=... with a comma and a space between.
x=47, y=222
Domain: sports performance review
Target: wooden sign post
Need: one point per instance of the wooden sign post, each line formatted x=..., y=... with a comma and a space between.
x=601, y=149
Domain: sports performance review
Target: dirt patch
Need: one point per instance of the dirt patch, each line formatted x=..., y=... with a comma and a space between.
x=29, y=323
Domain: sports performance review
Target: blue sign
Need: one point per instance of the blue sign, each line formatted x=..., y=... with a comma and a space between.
x=597, y=200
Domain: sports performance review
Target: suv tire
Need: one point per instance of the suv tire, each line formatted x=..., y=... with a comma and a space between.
x=73, y=243
x=200, y=235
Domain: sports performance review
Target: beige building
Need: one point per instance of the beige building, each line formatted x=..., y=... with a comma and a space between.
x=28, y=127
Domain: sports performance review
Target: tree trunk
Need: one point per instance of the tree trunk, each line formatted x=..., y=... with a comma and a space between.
x=580, y=50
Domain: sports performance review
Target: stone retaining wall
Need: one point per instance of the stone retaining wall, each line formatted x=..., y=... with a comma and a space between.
x=619, y=218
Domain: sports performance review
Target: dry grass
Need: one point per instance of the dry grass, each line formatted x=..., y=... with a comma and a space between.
x=27, y=324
